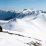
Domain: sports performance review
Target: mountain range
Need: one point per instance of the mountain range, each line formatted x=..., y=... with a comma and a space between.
x=7, y=15
x=28, y=23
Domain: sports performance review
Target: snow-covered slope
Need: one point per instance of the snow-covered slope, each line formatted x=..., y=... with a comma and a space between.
x=19, y=39
x=31, y=23
x=10, y=40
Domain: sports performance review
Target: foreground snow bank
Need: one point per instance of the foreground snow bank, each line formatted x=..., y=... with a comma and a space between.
x=16, y=40
x=33, y=34
x=10, y=40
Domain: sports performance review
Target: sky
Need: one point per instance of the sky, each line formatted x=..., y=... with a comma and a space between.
x=22, y=4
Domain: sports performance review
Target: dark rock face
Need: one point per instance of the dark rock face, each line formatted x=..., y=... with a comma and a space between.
x=0, y=29
x=7, y=15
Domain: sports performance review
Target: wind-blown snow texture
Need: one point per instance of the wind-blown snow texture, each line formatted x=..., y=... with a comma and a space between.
x=29, y=22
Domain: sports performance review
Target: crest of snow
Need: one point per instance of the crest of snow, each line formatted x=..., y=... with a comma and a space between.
x=28, y=10
x=19, y=11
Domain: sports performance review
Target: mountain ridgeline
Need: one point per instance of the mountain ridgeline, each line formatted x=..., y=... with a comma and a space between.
x=7, y=15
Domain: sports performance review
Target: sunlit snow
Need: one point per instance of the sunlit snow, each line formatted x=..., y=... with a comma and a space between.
x=31, y=26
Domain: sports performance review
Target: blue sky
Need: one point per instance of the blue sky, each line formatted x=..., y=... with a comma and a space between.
x=22, y=4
